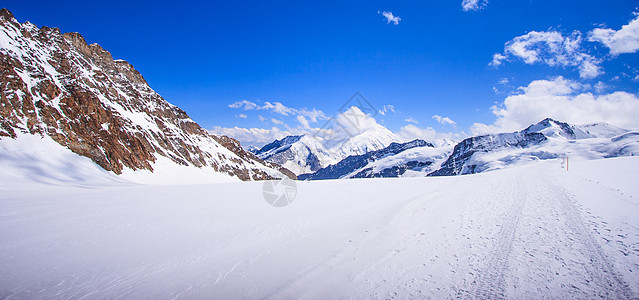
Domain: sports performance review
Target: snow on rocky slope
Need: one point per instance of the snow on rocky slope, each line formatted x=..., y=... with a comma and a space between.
x=526, y=232
x=352, y=132
x=547, y=139
x=55, y=85
x=387, y=162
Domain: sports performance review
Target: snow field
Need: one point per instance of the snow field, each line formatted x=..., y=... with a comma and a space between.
x=523, y=232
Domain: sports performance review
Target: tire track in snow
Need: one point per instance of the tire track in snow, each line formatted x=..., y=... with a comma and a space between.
x=491, y=282
x=600, y=268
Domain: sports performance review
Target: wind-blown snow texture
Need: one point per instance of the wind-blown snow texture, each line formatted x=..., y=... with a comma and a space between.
x=533, y=231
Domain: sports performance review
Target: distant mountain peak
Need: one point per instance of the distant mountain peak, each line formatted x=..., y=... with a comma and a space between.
x=557, y=128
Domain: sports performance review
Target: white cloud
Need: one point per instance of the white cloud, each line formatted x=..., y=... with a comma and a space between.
x=261, y=118
x=248, y=105
x=390, y=18
x=277, y=107
x=624, y=40
x=256, y=136
x=563, y=100
x=314, y=115
x=386, y=108
x=473, y=4
x=241, y=116
x=504, y=82
x=444, y=120
x=354, y=121
x=600, y=87
x=553, y=49
x=411, y=120
x=497, y=59
x=276, y=121
x=411, y=132
x=303, y=122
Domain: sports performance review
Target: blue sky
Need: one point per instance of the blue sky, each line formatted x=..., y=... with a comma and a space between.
x=436, y=61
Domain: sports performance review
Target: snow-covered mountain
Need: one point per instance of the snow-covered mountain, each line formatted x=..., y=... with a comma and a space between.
x=350, y=133
x=369, y=165
x=553, y=128
x=55, y=85
x=547, y=139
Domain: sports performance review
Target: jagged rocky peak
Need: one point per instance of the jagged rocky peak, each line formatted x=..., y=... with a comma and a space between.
x=56, y=84
x=552, y=127
x=7, y=16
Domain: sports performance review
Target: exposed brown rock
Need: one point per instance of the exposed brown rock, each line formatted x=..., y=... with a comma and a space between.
x=104, y=109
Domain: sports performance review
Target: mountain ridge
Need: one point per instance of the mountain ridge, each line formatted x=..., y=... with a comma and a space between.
x=56, y=84
x=547, y=139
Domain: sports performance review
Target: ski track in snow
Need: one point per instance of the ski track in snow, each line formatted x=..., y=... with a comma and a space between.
x=524, y=232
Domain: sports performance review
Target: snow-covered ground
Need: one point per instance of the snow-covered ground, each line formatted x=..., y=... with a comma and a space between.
x=33, y=158
x=529, y=231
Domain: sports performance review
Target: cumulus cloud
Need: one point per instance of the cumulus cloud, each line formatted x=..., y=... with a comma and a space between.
x=624, y=40
x=386, y=108
x=241, y=116
x=444, y=120
x=551, y=48
x=276, y=121
x=355, y=121
x=563, y=100
x=473, y=4
x=390, y=18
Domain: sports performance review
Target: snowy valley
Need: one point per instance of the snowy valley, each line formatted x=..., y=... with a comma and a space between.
x=530, y=231
x=109, y=191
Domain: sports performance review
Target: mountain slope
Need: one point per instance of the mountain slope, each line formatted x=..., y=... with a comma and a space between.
x=55, y=84
x=350, y=133
x=300, y=154
x=357, y=165
x=547, y=139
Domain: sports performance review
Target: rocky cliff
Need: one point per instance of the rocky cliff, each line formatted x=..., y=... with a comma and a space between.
x=56, y=84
